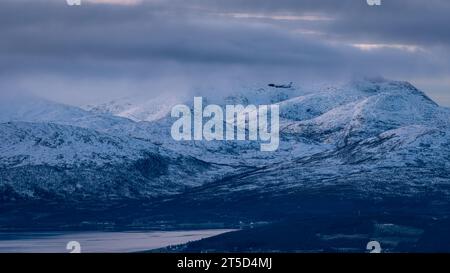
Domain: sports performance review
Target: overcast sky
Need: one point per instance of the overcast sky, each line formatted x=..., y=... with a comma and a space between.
x=108, y=48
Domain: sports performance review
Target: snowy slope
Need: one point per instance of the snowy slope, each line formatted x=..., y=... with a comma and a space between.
x=138, y=109
x=259, y=95
x=48, y=143
x=410, y=161
x=45, y=160
x=374, y=107
x=158, y=107
x=35, y=109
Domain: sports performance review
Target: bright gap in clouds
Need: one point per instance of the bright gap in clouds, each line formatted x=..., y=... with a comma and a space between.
x=284, y=17
x=369, y=47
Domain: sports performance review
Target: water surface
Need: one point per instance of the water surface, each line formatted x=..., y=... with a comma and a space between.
x=56, y=242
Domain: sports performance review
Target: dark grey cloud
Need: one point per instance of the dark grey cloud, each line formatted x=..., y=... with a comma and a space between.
x=415, y=21
x=159, y=45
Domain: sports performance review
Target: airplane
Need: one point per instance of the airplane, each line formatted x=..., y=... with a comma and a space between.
x=280, y=85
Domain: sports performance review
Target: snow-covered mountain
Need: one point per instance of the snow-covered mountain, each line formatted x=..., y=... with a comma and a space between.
x=313, y=122
x=34, y=109
x=138, y=109
x=381, y=137
x=155, y=108
x=124, y=150
x=48, y=160
x=367, y=109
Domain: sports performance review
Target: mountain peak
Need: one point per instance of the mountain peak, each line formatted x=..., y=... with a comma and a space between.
x=378, y=85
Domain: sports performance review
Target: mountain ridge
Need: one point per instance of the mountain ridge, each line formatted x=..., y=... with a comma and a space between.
x=360, y=132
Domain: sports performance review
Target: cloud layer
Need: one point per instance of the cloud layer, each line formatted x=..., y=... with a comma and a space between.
x=120, y=47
